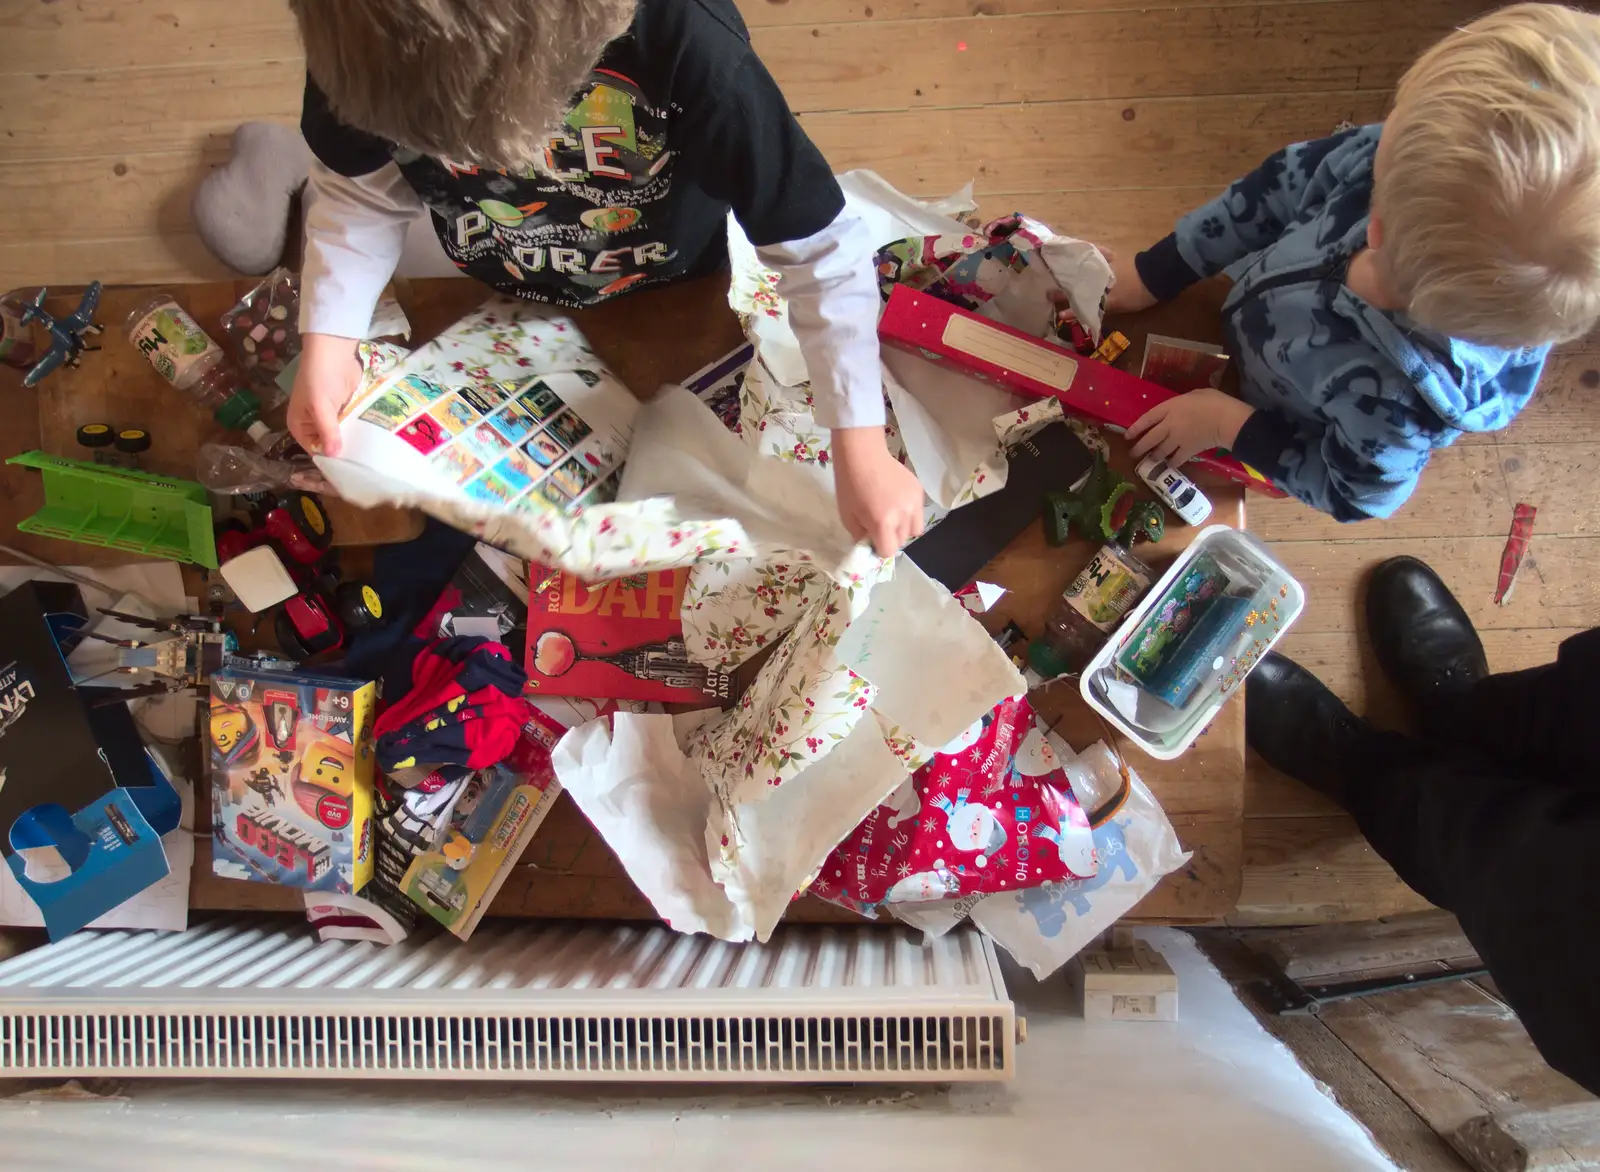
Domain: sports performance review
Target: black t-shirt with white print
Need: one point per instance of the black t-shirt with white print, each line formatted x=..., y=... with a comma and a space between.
x=678, y=122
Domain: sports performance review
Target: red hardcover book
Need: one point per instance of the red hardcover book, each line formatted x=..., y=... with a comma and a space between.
x=616, y=640
x=1018, y=362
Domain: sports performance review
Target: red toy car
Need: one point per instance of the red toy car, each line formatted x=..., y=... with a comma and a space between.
x=295, y=528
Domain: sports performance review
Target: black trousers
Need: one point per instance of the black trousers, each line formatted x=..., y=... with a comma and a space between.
x=1496, y=818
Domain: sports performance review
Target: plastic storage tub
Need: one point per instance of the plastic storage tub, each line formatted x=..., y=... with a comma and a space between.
x=1229, y=631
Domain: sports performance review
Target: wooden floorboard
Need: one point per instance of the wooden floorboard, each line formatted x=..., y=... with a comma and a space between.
x=977, y=61
x=1104, y=118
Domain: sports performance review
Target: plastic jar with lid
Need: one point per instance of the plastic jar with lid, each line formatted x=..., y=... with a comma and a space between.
x=1089, y=610
x=188, y=358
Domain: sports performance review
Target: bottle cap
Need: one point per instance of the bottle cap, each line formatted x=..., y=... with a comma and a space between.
x=1046, y=660
x=239, y=411
x=259, y=432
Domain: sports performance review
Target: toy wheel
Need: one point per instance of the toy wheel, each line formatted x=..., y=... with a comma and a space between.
x=309, y=516
x=289, y=641
x=133, y=440
x=96, y=435
x=359, y=605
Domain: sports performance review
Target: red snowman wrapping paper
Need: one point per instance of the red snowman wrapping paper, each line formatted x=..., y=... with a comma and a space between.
x=993, y=811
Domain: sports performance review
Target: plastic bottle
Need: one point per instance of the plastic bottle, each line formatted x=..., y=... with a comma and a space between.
x=187, y=357
x=1089, y=611
x=275, y=445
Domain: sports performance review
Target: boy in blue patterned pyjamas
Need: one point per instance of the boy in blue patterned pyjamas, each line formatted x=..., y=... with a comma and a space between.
x=1398, y=284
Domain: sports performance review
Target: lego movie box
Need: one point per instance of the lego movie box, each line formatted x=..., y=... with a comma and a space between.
x=292, y=779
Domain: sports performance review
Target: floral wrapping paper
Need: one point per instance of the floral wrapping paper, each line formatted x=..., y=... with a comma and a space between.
x=509, y=341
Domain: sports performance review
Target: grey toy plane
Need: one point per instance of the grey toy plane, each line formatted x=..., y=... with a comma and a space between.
x=66, y=335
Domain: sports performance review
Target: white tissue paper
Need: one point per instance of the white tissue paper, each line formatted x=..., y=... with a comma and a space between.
x=1044, y=927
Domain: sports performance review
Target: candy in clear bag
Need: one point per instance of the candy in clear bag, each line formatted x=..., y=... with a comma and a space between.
x=263, y=331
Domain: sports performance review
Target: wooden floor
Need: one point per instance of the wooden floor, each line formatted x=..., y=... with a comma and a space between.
x=1105, y=118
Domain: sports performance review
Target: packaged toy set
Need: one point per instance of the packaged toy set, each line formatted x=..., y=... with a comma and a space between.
x=291, y=776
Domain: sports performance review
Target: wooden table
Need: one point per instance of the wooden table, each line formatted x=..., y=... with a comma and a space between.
x=569, y=871
x=116, y=385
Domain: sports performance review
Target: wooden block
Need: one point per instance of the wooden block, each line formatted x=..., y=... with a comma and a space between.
x=1125, y=984
x=1371, y=949
x=1558, y=1138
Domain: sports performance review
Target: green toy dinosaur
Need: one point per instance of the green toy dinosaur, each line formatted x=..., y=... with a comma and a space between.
x=1145, y=522
x=1088, y=508
x=1101, y=511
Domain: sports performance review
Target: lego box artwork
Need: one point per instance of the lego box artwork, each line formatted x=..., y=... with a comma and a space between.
x=291, y=776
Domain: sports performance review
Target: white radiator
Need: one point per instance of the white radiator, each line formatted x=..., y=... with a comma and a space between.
x=255, y=997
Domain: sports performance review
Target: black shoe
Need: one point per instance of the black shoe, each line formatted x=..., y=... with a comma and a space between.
x=1423, y=639
x=1300, y=727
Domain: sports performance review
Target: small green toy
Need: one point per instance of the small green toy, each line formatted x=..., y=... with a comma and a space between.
x=1089, y=508
x=1100, y=510
x=157, y=516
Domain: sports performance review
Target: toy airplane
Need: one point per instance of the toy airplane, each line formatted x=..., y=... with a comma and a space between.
x=66, y=335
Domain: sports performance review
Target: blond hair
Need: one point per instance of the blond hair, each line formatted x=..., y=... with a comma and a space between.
x=1488, y=190
x=475, y=81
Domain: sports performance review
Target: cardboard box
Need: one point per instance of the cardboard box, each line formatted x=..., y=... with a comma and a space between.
x=1014, y=361
x=291, y=779
x=493, y=822
x=82, y=805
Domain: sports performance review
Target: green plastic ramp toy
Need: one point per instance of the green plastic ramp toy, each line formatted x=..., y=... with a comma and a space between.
x=156, y=516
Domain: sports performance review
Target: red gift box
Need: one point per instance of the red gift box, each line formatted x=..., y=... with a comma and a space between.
x=1018, y=362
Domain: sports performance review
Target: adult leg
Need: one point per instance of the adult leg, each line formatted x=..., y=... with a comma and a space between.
x=1518, y=863
x=1534, y=720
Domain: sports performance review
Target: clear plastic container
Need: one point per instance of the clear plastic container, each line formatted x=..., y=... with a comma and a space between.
x=187, y=357
x=1206, y=652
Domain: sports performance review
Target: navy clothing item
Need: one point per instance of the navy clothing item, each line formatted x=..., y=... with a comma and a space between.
x=1497, y=822
x=1350, y=400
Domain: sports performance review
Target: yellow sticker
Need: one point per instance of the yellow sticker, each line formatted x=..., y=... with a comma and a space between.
x=370, y=599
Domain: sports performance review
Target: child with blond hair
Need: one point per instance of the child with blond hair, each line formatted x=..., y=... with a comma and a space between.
x=569, y=152
x=1398, y=284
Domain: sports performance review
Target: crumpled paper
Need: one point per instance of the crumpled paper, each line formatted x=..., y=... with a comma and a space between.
x=1045, y=927
x=682, y=514
x=951, y=430
x=858, y=694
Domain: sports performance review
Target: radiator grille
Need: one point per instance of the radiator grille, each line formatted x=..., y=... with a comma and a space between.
x=262, y=998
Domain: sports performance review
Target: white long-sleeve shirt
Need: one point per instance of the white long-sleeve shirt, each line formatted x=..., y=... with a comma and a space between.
x=678, y=123
x=356, y=230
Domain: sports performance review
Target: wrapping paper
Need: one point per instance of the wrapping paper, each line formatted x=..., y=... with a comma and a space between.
x=992, y=812
x=505, y=343
x=857, y=695
x=949, y=429
x=1046, y=926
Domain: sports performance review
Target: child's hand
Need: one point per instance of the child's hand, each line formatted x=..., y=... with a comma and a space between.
x=1127, y=294
x=328, y=375
x=880, y=499
x=1182, y=428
